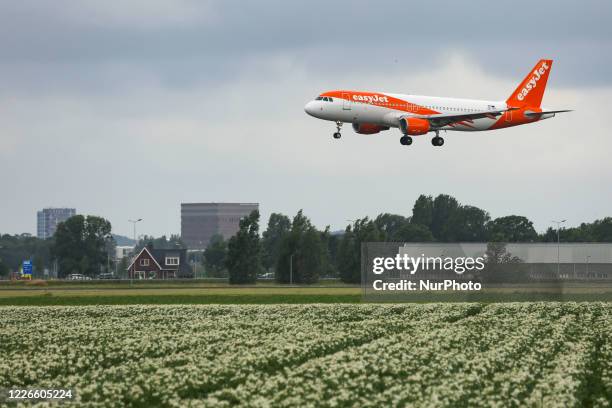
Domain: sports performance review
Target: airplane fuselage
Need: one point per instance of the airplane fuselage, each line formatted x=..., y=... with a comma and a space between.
x=385, y=110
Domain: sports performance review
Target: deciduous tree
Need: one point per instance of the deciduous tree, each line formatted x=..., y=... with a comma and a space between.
x=511, y=228
x=244, y=251
x=215, y=256
x=278, y=227
x=302, y=256
x=81, y=244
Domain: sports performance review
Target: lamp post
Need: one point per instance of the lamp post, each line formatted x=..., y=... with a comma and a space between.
x=291, y=269
x=558, y=242
x=587, y=265
x=134, y=222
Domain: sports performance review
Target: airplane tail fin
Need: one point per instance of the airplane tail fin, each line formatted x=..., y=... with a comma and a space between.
x=531, y=90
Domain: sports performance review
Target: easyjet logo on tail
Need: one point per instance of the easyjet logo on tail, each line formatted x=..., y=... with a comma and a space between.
x=533, y=81
x=531, y=89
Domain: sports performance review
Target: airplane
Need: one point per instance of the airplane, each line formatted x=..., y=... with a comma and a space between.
x=414, y=115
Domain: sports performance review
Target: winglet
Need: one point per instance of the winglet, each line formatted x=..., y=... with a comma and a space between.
x=531, y=91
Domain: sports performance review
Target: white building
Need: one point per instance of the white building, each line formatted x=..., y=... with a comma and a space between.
x=123, y=251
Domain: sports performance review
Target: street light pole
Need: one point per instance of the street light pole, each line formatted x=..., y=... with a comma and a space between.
x=134, y=222
x=558, y=242
x=587, y=271
x=291, y=269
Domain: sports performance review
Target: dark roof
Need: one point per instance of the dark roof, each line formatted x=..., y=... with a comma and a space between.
x=160, y=256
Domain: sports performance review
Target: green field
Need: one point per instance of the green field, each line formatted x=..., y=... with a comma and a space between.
x=206, y=292
x=467, y=354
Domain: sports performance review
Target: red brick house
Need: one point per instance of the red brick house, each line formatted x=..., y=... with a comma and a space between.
x=160, y=264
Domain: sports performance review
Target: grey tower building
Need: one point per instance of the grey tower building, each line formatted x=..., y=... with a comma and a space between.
x=48, y=218
x=200, y=221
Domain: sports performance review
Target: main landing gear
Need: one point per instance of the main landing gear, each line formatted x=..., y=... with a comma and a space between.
x=437, y=140
x=337, y=135
x=406, y=140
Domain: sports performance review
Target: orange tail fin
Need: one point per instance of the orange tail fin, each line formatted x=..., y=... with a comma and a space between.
x=531, y=90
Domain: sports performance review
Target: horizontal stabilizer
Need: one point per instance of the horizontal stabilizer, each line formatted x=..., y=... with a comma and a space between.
x=544, y=112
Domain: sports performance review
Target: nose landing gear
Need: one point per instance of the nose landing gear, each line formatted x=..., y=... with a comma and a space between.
x=337, y=134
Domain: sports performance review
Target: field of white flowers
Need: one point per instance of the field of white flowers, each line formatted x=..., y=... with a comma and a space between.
x=519, y=354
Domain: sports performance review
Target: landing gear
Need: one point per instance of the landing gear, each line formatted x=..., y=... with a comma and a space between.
x=337, y=134
x=406, y=140
x=437, y=140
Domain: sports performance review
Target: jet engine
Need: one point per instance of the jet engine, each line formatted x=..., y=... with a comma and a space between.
x=414, y=126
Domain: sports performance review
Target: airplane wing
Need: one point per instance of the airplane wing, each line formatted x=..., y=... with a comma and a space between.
x=444, y=119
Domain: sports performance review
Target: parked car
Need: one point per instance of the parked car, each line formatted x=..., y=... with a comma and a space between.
x=269, y=275
x=106, y=276
x=78, y=276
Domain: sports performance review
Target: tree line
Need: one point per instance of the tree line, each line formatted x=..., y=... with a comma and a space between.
x=294, y=250
x=290, y=249
x=81, y=244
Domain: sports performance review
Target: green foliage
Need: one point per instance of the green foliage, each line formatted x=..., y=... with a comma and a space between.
x=14, y=249
x=349, y=251
x=303, y=256
x=397, y=228
x=4, y=269
x=467, y=224
x=601, y=230
x=390, y=225
x=163, y=242
x=422, y=211
x=122, y=267
x=449, y=221
x=597, y=231
x=215, y=256
x=349, y=259
x=413, y=233
x=512, y=228
x=329, y=244
x=81, y=245
x=502, y=266
x=244, y=251
x=278, y=226
x=444, y=208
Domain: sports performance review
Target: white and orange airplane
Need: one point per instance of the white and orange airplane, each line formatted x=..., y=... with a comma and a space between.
x=414, y=115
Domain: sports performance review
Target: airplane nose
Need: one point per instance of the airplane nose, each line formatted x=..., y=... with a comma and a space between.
x=310, y=108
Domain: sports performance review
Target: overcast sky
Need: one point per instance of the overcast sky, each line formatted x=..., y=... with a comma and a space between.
x=127, y=108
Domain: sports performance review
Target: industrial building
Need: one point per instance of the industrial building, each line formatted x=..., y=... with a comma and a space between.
x=201, y=221
x=540, y=261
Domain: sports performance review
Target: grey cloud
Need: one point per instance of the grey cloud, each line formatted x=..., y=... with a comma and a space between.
x=207, y=102
x=333, y=36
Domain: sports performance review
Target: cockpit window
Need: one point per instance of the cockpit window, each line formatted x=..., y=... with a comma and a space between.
x=330, y=99
x=319, y=98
